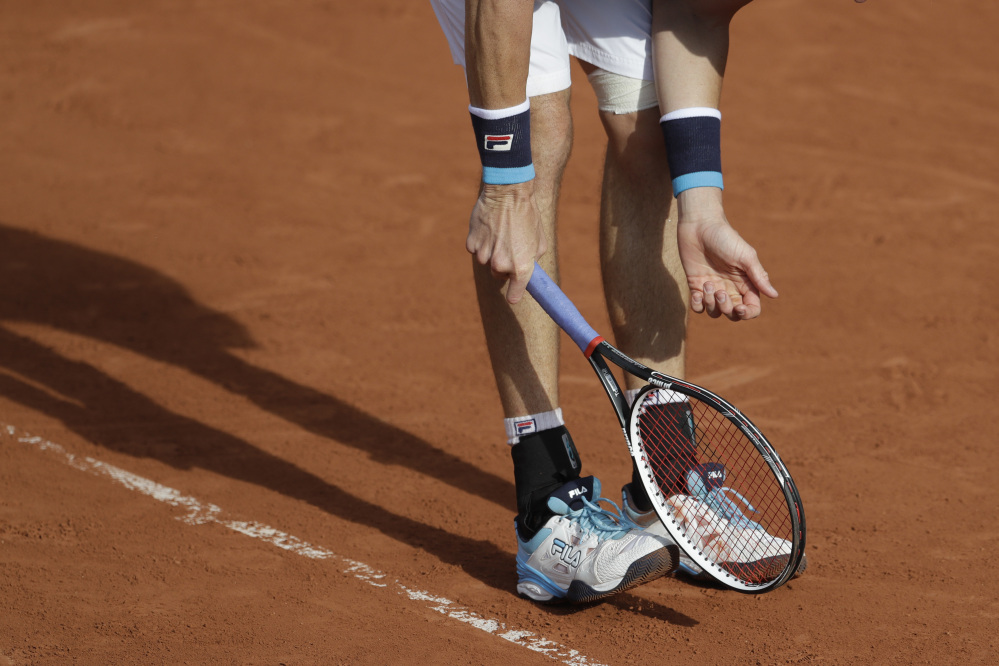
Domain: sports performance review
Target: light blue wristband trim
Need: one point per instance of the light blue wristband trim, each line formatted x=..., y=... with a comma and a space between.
x=507, y=176
x=697, y=179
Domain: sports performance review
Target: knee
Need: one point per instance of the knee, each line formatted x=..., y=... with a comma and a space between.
x=629, y=112
x=635, y=144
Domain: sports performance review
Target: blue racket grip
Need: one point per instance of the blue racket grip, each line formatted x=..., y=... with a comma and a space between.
x=561, y=310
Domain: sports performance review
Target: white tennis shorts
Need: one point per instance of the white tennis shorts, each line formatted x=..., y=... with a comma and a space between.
x=614, y=35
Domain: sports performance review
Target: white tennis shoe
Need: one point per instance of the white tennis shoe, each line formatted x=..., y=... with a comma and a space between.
x=585, y=552
x=717, y=528
x=649, y=521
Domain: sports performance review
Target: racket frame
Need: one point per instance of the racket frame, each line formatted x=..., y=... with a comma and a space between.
x=627, y=417
x=598, y=351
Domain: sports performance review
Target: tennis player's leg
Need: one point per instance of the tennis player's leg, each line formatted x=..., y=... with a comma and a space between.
x=644, y=283
x=569, y=547
x=522, y=341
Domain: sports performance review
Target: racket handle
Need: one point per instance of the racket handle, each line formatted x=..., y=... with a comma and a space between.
x=562, y=311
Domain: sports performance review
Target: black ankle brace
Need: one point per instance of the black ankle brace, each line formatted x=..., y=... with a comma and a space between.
x=542, y=463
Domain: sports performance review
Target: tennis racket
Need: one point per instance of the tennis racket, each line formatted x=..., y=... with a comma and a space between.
x=716, y=483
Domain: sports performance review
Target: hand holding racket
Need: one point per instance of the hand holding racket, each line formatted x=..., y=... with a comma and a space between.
x=716, y=483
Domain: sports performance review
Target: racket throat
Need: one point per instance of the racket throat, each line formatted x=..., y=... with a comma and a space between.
x=613, y=389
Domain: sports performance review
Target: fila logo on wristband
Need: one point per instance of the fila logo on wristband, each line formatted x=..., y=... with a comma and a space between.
x=503, y=137
x=501, y=142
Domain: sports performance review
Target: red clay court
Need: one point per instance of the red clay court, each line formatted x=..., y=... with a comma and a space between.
x=246, y=414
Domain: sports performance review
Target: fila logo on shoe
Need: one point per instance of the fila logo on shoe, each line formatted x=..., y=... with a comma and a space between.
x=566, y=553
x=577, y=492
x=715, y=474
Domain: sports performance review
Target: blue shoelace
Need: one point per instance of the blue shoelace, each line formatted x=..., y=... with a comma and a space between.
x=605, y=524
x=720, y=502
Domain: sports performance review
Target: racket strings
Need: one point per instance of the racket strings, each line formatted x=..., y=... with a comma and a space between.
x=717, y=484
x=673, y=423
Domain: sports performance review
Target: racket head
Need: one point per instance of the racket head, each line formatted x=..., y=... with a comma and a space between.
x=718, y=486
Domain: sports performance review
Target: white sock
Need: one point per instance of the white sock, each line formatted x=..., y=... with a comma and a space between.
x=526, y=425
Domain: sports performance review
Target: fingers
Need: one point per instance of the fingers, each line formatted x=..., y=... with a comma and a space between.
x=519, y=278
x=761, y=279
x=716, y=301
x=750, y=308
x=722, y=298
x=756, y=275
x=478, y=245
x=758, y=282
x=737, y=295
x=505, y=233
x=697, y=301
x=514, y=265
x=503, y=268
x=518, y=285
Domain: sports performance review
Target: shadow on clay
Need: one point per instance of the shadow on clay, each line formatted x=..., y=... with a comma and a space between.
x=67, y=287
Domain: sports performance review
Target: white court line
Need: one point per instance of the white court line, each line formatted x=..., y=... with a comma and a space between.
x=200, y=513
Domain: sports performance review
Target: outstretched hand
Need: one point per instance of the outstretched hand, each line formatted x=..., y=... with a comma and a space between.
x=724, y=274
x=505, y=233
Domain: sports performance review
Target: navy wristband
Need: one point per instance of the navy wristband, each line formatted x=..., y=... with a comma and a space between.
x=504, y=147
x=693, y=150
